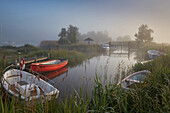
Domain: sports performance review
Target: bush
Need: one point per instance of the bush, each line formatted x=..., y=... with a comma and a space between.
x=63, y=41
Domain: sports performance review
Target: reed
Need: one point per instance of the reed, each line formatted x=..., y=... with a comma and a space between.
x=74, y=57
x=152, y=96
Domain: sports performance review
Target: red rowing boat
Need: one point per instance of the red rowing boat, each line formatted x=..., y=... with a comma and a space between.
x=49, y=65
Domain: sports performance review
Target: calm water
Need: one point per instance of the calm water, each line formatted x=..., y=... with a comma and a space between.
x=105, y=66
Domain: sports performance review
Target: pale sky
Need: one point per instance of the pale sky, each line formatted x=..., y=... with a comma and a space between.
x=31, y=21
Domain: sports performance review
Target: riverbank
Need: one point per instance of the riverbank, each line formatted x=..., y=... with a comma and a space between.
x=154, y=97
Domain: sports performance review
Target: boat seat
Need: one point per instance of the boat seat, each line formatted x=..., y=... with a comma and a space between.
x=131, y=80
x=26, y=89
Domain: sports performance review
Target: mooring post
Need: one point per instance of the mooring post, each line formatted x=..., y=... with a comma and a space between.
x=109, y=44
x=35, y=58
x=128, y=47
x=121, y=47
x=48, y=56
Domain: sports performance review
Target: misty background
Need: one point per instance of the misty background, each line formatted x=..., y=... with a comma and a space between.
x=32, y=21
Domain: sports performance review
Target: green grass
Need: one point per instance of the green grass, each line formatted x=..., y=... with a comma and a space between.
x=74, y=57
x=153, y=97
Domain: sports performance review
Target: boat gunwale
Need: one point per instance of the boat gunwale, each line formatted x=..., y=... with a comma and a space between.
x=40, y=63
x=133, y=74
x=56, y=91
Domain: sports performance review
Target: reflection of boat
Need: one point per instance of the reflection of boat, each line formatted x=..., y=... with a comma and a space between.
x=133, y=79
x=49, y=65
x=56, y=73
x=28, y=86
x=154, y=54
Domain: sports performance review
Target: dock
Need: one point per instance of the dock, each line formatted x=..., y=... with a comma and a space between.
x=36, y=60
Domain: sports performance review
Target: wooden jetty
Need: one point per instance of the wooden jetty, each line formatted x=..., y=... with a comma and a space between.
x=35, y=60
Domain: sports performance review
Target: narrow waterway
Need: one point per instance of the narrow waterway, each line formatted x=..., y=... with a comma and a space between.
x=82, y=76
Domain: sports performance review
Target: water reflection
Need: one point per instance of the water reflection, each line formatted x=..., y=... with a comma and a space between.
x=56, y=73
x=82, y=76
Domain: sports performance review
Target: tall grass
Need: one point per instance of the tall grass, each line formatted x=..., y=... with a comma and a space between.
x=74, y=57
x=153, y=97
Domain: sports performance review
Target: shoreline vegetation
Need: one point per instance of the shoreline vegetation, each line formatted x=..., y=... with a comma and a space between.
x=153, y=97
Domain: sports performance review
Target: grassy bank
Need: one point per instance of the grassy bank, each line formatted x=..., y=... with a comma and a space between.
x=153, y=97
x=74, y=57
x=10, y=53
x=77, y=47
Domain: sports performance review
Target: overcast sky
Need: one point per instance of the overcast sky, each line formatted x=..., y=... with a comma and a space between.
x=32, y=21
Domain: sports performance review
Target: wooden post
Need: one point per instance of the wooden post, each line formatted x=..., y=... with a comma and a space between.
x=109, y=44
x=128, y=47
x=121, y=47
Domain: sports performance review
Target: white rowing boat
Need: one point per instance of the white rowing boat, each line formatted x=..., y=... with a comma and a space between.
x=155, y=53
x=135, y=78
x=28, y=86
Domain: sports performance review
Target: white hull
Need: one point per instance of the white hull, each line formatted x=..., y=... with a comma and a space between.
x=154, y=54
x=29, y=86
x=135, y=78
x=106, y=48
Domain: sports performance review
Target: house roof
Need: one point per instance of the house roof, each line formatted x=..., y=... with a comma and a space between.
x=88, y=39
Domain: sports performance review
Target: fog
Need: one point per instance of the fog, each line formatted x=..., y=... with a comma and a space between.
x=33, y=21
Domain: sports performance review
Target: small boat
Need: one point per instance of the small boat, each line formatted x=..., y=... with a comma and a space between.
x=155, y=53
x=50, y=65
x=130, y=81
x=56, y=73
x=105, y=47
x=23, y=84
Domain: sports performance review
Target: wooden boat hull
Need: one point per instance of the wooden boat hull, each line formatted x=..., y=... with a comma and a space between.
x=48, y=65
x=135, y=78
x=27, y=86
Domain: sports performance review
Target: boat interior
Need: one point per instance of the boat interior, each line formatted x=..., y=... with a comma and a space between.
x=28, y=85
x=131, y=81
x=52, y=62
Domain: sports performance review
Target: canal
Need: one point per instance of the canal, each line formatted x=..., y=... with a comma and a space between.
x=105, y=66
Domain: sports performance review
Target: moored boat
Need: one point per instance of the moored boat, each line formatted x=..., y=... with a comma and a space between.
x=49, y=65
x=155, y=53
x=130, y=81
x=23, y=84
x=105, y=46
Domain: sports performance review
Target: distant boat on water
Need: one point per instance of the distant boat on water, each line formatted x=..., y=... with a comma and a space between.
x=50, y=65
x=155, y=53
x=105, y=47
x=130, y=81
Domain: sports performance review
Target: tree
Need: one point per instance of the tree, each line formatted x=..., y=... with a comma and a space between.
x=72, y=33
x=63, y=41
x=125, y=38
x=68, y=36
x=144, y=34
x=63, y=33
x=98, y=37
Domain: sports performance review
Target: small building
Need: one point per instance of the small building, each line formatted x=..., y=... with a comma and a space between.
x=89, y=40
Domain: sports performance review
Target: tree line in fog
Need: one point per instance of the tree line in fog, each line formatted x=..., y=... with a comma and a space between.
x=72, y=35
